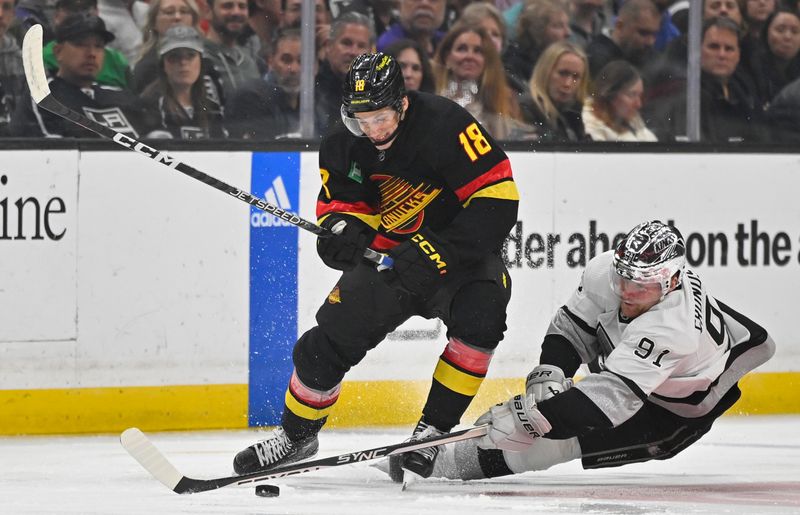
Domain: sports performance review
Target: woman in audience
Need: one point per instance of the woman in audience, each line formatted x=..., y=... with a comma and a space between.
x=178, y=97
x=612, y=114
x=416, y=69
x=468, y=71
x=162, y=15
x=541, y=24
x=776, y=62
x=557, y=94
x=755, y=13
x=487, y=17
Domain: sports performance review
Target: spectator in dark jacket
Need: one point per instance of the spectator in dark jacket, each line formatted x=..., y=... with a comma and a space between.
x=775, y=62
x=178, y=98
x=632, y=38
x=558, y=90
x=728, y=109
x=79, y=51
x=234, y=63
x=540, y=24
x=587, y=21
x=665, y=76
x=269, y=108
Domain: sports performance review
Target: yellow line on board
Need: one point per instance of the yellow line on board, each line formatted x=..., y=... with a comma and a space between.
x=773, y=393
x=103, y=410
x=361, y=404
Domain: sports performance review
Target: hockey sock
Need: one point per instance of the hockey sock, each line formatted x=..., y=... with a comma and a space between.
x=306, y=409
x=457, y=378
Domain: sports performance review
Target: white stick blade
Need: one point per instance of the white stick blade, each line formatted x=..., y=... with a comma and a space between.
x=33, y=63
x=143, y=451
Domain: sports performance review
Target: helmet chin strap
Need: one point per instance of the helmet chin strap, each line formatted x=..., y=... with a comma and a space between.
x=388, y=138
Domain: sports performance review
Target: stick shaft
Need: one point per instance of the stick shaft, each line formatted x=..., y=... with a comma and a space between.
x=142, y=450
x=40, y=91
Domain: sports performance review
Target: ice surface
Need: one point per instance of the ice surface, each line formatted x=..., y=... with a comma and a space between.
x=744, y=465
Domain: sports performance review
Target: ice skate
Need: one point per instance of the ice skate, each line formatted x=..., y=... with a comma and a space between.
x=419, y=462
x=274, y=451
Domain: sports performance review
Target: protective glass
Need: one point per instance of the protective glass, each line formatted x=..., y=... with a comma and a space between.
x=369, y=123
x=641, y=289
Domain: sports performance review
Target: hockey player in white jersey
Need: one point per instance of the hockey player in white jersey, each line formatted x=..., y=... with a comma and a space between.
x=665, y=358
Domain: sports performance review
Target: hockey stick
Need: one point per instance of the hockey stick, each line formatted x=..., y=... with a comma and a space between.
x=40, y=92
x=143, y=451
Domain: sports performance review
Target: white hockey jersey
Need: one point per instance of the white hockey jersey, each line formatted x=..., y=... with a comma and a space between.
x=683, y=354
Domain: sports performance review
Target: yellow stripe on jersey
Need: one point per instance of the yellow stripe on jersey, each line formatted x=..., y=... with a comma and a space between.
x=372, y=220
x=303, y=411
x=325, y=175
x=456, y=380
x=506, y=190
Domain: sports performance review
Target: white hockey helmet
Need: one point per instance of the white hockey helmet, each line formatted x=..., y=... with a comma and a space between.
x=652, y=252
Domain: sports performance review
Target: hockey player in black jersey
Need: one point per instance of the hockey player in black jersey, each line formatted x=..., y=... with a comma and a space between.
x=415, y=176
x=666, y=355
x=79, y=51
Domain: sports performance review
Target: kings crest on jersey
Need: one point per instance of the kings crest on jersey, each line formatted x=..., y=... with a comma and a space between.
x=107, y=105
x=441, y=162
x=683, y=354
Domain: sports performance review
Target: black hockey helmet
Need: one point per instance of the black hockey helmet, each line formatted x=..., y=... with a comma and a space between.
x=652, y=252
x=374, y=81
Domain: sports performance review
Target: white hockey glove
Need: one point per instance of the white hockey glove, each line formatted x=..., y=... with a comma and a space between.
x=545, y=381
x=515, y=424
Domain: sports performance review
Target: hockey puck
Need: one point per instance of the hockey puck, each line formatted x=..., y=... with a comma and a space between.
x=268, y=491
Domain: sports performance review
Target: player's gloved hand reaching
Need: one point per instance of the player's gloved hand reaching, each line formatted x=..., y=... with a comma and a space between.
x=421, y=264
x=515, y=424
x=545, y=381
x=345, y=249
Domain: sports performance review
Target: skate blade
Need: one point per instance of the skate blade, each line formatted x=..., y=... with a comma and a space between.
x=409, y=478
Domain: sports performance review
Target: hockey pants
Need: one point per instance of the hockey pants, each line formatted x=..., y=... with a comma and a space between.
x=361, y=310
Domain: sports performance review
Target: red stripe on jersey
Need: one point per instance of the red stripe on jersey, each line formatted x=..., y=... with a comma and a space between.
x=311, y=397
x=465, y=357
x=383, y=243
x=325, y=208
x=498, y=172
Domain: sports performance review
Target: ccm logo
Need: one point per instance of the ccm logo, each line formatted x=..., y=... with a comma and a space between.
x=431, y=252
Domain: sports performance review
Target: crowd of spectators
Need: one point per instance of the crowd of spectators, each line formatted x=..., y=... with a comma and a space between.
x=533, y=70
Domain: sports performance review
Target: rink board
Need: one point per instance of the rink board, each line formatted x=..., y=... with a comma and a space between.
x=133, y=295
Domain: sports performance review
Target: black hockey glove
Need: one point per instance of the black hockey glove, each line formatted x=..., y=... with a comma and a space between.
x=421, y=264
x=345, y=250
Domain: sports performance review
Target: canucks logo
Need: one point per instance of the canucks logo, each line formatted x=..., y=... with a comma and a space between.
x=403, y=204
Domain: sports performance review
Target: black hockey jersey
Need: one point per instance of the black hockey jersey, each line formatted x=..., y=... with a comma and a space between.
x=115, y=108
x=443, y=172
x=186, y=123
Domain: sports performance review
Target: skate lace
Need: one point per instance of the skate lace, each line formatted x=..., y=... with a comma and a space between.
x=421, y=432
x=272, y=449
